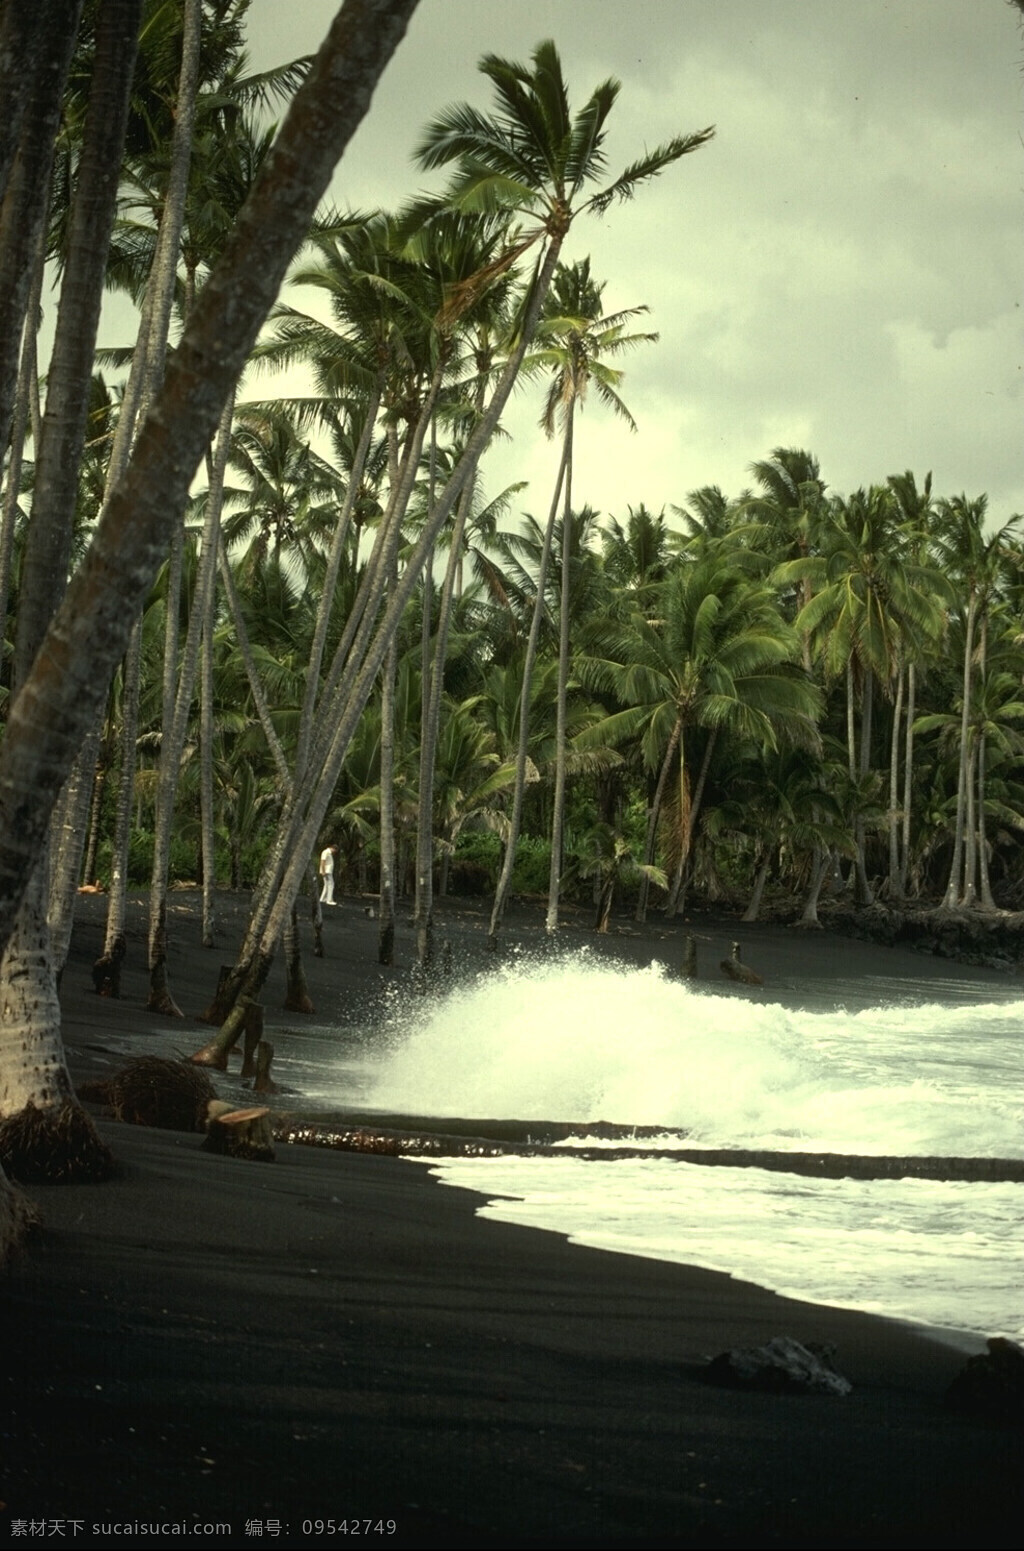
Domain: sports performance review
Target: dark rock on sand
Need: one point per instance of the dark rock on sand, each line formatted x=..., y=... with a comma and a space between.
x=782, y=1365
x=992, y=1383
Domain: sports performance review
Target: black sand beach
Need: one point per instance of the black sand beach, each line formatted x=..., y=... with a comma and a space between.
x=335, y=1337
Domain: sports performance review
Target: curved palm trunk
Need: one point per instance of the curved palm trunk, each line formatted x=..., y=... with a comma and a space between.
x=522, y=752
x=561, y=711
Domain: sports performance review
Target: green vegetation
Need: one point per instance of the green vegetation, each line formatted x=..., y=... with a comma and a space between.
x=765, y=695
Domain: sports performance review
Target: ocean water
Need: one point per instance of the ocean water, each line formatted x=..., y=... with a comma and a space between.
x=875, y=1066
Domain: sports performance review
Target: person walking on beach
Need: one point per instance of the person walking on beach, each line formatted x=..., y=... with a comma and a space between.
x=327, y=856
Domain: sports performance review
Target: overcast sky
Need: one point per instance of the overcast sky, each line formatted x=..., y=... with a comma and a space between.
x=839, y=270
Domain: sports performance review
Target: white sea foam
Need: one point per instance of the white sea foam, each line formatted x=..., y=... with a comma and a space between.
x=582, y=1040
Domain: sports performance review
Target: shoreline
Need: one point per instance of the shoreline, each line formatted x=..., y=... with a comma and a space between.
x=332, y=1335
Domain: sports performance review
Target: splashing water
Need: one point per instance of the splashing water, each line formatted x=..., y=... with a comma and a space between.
x=582, y=1040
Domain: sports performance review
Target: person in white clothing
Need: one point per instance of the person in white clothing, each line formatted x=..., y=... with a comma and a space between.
x=327, y=856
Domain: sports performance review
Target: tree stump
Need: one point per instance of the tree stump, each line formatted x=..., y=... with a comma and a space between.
x=690, y=958
x=239, y=1133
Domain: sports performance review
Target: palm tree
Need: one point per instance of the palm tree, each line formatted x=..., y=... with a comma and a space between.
x=534, y=159
x=66, y=689
x=869, y=595
x=573, y=342
x=719, y=658
x=35, y=1077
x=974, y=560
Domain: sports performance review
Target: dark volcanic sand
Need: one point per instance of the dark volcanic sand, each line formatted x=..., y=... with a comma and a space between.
x=333, y=1336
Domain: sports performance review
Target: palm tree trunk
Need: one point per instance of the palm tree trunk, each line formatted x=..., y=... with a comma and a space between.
x=206, y=801
x=908, y=776
x=970, y=893
x=561, y=704
x=954, y=886
x=423, y=906
x=692, y=810
x=753, y=910
x=386, y=929
x=25, y=194
x=175, y=727
x=114, y=937
x=819, y=872
x=297, y=997
x=654, y=814
x=67, y=845
x=895, y=865
x=25, y=399
x=28, y=974
x=987, y=899
x=338, y=543
x=522, y=752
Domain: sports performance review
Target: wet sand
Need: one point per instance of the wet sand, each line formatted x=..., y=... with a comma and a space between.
x=335, y=1337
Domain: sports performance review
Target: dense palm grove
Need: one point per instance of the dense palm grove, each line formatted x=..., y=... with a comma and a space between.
x=782, y=695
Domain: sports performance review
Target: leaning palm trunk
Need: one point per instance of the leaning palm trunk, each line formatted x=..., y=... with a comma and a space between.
x=522, y=753
x=355, y=684
x=561, y=704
